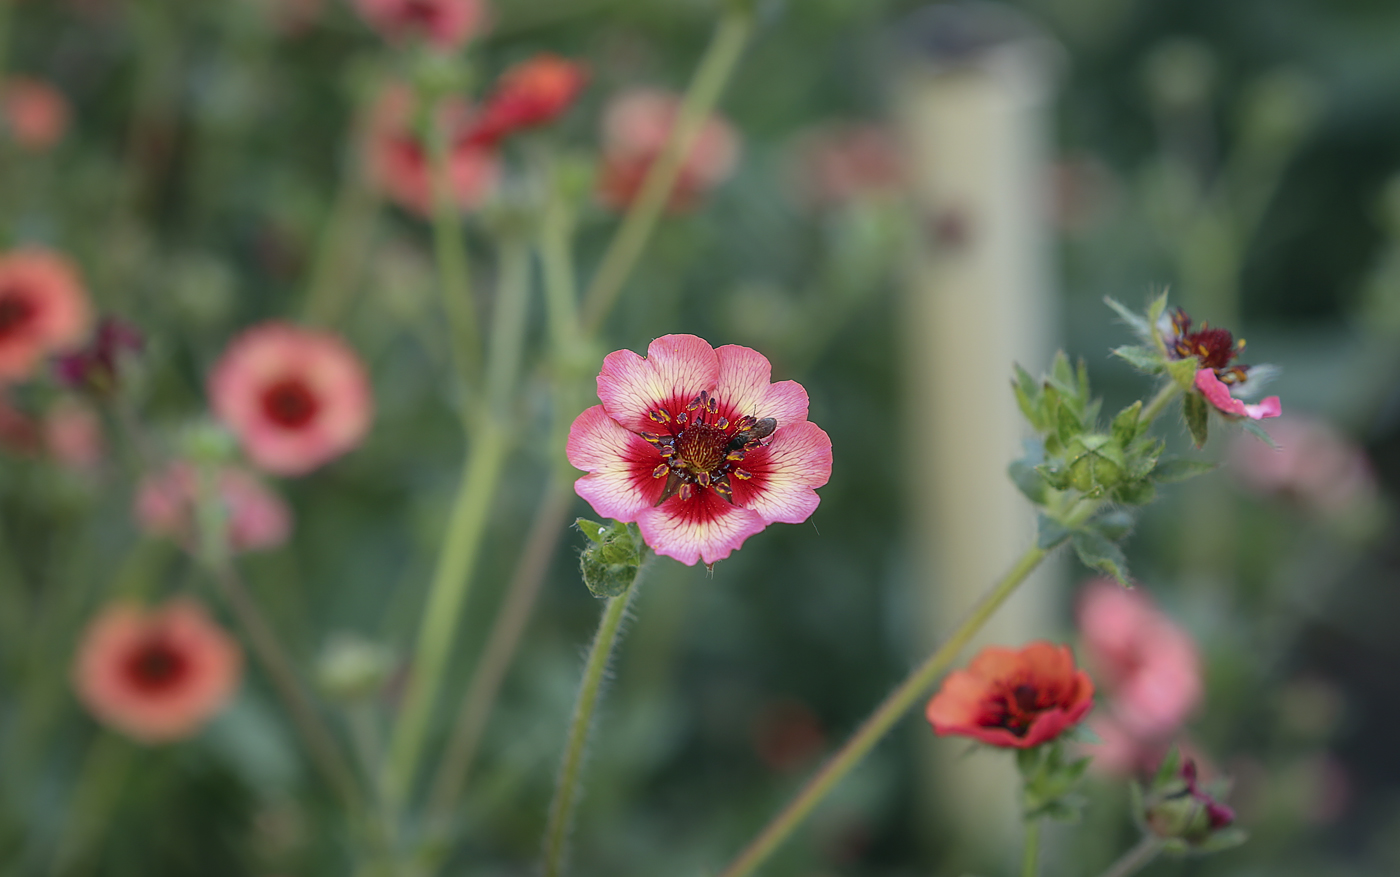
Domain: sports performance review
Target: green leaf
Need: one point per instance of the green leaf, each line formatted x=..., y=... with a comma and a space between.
x=1256, y=430
x=1049, y=532
x=1196, y=410
x=1169, y=769
x=1155, y=311
x=1031, y=407
x=1028, y=480
x=1183, y=371
x=1125, y=424
x=1139, y=324
x=1062, y=374
x=1144, y=359
x=1174, y=470
x=1223, y=839
x=592, y=529
x=1097, y=552
x=1060, y=811
x=1113, y=525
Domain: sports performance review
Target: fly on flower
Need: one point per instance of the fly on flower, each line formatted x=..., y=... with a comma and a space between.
x=697, y=447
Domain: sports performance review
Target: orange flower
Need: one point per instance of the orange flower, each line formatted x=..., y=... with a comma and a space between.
x=1013, y=698
x=157, y=675
x=43, y=309
x=530, y=94
x=35, y=112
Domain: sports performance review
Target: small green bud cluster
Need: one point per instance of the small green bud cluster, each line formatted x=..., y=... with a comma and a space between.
x=610, y=563
x=1049, y=781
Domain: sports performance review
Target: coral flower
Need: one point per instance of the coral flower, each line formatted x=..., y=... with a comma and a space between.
x=636, y=126
x=294, y=397
x=35, y=112
x=697, y=447
x=43, y=309
x=1219, y=375
x=1016, y=698
x=443, y=24
x=157, y=675
x=398, y=160
x=256, y=517
x=530, y=94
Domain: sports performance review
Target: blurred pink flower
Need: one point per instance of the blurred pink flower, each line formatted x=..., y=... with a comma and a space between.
x=157, y=675
x=443, y=24
x=841, y=162
x=533, y=93
x=35, y=112
x=73, y=434
x=398, y=158
x=295, y=397
x=43, y=309
x=636, y=125
x=257, y=518
x=1314, y=464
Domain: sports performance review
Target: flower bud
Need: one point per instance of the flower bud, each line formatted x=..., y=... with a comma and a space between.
x=1176, y=809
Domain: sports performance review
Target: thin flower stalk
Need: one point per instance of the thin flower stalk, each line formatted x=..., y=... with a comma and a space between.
x=105, y=772
x=1135, y=859
x=718, y=63
x=1030, y=858
x=566, y=793
x=453, y=273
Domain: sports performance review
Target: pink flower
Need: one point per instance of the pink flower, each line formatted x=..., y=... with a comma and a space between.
x=256, y=517
x=1215, y=350
x=157, y=675
x=398, y=158
x=1147, y=666
x=636, y=126
x=73, y=434
x=697, y=447
x=35, y=112
x=1218, y=394
x=1313, y=464
x=842, y=162
x=444, y=24
x=295, y=397
x=43, y=309
x=530, y=94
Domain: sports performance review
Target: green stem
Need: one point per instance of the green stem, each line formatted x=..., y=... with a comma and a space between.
x=560, y=285
x=1032, y=852
x=1169, y=391
x=899, y=702
x=508, y=323
x=1136, y=858
x=561, y=809
x=453, y=274
x=506, y=631
x=714, y=71
x=451, y=584
x=100, y=783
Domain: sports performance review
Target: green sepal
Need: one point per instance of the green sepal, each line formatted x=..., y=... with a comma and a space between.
x=1049, y=532
x=1113, y=524
x=1154, y=315
x=1140, y=326
x=609, y=565
x=1062, y=374
x=1169, y=769
x=1258, y=432
x=1125, y=424
x=1140, y=492
x=1183, y=371
x=1067, y=422
x=1098, y=553
x=1026, y=477
x=1144, y=359
x=1028, y=399
x=1054, y=476
x=592, y=529
x=1222, y=839
x=1174, y=470
x=1196, y=410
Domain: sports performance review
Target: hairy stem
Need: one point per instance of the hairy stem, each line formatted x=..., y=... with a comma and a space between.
x=1169, y=391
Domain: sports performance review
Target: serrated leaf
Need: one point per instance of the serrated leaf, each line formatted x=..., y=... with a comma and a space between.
x=1196, y=410
x=1049, y=532
x=1136, y=322
x=1098, y=553
x=1174, y=470
x=1113, y=525
x=1183, y=371
x=1125, y=424
x=1144, y=359
x=1258, y=432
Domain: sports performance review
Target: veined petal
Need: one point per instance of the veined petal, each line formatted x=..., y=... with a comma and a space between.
x=744, y=387
x=675, y=370
x=704, y=527
x=1218, y=395
x=620, y=483
x=796, y=460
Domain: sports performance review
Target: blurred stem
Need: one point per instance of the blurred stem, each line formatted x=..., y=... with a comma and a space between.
x=320, y=743
x=1136, y=858
x=496, y=658
x=560, y=284
x=508, y=323
x=631, y=238
x=899, y=702
x=5, y=17
x=561, y=809
x=1164, y=396
x=104, y=774
x=345, y=241
x=1032, y=851
x=450, y=250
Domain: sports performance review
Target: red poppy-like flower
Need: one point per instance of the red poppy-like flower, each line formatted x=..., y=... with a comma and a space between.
x=398, y=160
x=256, y=517
x=1010, y=697
x=842, y=162
x=43, y=309
x=443, y=24
x=295, y=397
x=636, y=126
x=35, y=112
x=696, y=446
x=157, y=675
x=528, y=95
x=1216, y=350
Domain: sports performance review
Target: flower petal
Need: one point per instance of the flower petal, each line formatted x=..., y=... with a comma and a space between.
x=675, y=370
x=704, y=527
x=744, y=387
x=620, y=483
x=796, y=460
x=1218, y=395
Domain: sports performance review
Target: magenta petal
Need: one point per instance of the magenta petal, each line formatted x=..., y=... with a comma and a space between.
x=785, y=473
x=675, y=370
x=745, y=387
x=620, y=483
x=704, y=527
x=1218, y=395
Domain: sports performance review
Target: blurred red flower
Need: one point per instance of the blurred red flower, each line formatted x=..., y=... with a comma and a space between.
x=398, y=158
x=35, y=112
x=295, y=397
x=636, y=126
x=256, y=517
x=156, y=675
x=1014, y=698
x=528, y=95
x=443, y=24
x=43, y=309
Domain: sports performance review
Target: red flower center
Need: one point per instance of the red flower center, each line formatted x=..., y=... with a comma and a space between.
x=16, y=309
x=425, y=13
x=703, y=448
x=1015, y=707
x=156, y=666
x=290, y=403
x=1215, y=348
